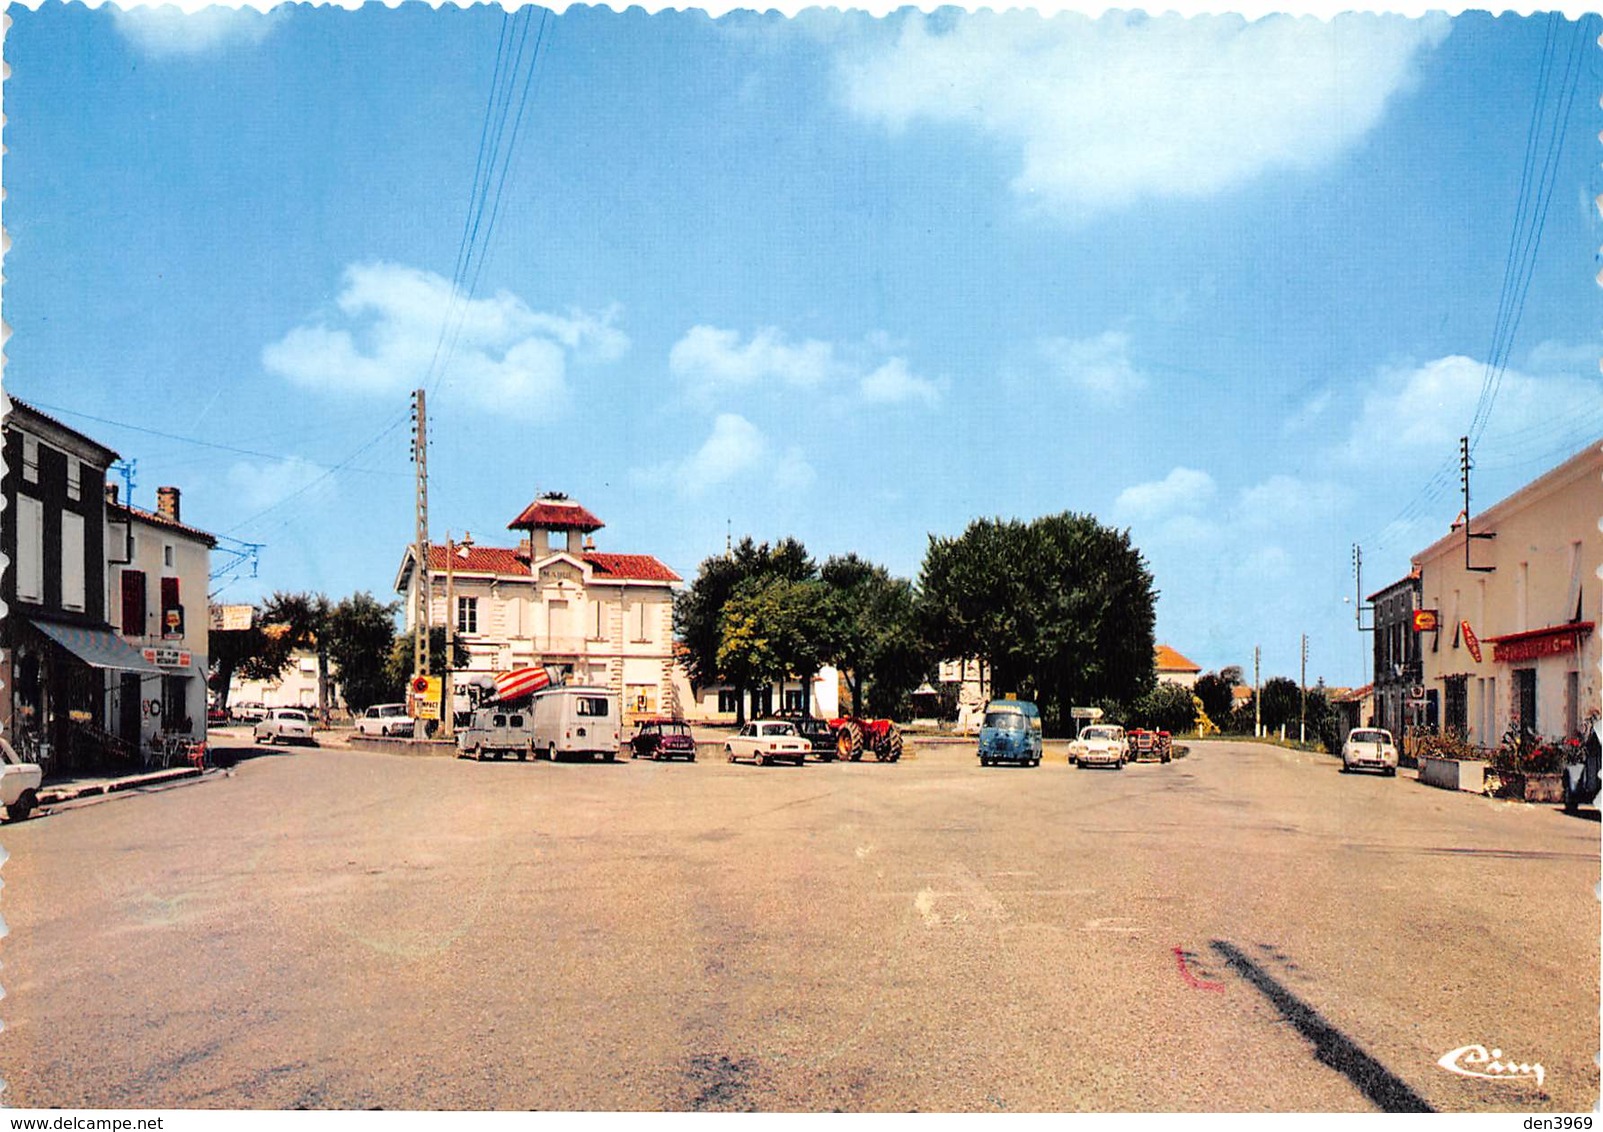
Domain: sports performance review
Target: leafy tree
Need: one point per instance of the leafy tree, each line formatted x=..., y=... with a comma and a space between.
x=398, y=666
x=1282, y=703
x=698, y=611
x=361, y=635
x=1061, y=609
x=1167, y=707
x=1217, y=695
x=292, y=621
x=1232, y=675
x=879, y=642
x=250, y=652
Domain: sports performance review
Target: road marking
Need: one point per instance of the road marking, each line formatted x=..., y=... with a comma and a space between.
x=1192, y=980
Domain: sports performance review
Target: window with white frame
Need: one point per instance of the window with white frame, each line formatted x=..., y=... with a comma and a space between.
x=640, y=621
x=167, y=555
x=467, y=614
x=30, y=565
x=74, y=584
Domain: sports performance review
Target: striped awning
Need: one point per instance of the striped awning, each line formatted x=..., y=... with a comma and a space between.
x=98, y=648
x=521, y=682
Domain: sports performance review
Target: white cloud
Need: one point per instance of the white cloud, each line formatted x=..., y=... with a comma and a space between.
x=1182, y=491
x=507, y=357
x=1099, y=365
x=255, y=486
x=1102, y=112
x=168, y=31
x=735, y=453
x=734, y=449
x=713, y=362
x=892, y=383
x=1281, y=500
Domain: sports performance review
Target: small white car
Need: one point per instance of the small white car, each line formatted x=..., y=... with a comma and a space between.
x=252, y=711
x=284, y=725
x=19, y=783
x=385, y=720
x=765, y=741
x=1369, y=748
x=1102, y=744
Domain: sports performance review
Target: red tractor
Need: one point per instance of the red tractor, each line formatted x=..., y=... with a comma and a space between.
x=854, y=736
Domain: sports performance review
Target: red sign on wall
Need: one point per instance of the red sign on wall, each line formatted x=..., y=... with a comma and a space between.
x=1471, y=641
x=1425, y=621
x=1534, y=645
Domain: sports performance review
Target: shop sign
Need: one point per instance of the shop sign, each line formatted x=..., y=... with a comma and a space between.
x=1426, y=621
x=1556, y=641
x=424, y=692
x=1471, y=641
x=166, y=657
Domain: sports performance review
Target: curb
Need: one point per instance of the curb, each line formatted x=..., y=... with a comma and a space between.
x=57, y=795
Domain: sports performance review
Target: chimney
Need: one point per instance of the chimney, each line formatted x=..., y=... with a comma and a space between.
x=111, y=494
x=167, y=503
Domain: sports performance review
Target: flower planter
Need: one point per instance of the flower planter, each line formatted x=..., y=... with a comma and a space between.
x=1453, y=774
x=1524, y=787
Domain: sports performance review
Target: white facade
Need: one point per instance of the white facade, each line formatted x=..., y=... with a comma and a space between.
x=1532, y=616
x=296, y=686
x=604, y=620
x=157, y=571
x=717, y=703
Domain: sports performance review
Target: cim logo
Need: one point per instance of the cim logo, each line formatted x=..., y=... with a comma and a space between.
x=1474, y=1061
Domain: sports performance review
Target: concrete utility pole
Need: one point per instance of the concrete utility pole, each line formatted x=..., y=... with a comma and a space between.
x=420, y=589
x=1302, y=722
x=448, y=676
x=1257, y=700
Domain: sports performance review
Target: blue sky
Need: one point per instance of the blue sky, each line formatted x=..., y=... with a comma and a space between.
x=1233, y=285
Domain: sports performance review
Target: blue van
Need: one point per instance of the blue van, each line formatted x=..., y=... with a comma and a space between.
x=1011, y=733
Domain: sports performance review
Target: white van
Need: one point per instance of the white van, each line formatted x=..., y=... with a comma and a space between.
x=577, y=721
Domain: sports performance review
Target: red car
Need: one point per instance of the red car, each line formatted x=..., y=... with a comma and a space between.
x=663, y=739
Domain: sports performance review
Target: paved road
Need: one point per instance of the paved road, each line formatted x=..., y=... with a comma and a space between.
x=1245, y=929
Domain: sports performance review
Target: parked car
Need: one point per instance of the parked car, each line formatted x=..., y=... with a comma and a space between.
x=765, y=741
x=576, y=721
x=1011, y=733
x=251, y=711
x=821, y=735
x=385, y=720
x=1102, y=744
x=217, y=716
x=496, y=732
x=19, y=783
x=1369, y=748
x=1581, y=778
x=663, y=739
x=284, y=725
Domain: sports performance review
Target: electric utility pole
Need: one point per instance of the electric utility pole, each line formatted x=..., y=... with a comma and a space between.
x=1302, y=722
x=1257, y=699
x=421, y=581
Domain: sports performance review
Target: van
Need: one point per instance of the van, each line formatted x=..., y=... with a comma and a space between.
x=496, y=732
x=1010, y=733
x=577, y=721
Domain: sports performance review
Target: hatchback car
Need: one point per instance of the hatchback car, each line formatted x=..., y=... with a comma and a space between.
x=765, y=741
x=821, y=735
x=1103, y=744
x=1369, y=748
x=663, y=739
x=251, y=711
x=385, y=720
x=284, y=725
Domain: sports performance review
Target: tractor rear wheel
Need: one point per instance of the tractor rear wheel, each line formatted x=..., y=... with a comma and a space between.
x=889, y=747
x=849, y=740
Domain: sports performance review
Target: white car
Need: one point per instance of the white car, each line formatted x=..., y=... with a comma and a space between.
x=252, y=711
x=284, y=725
x=385, y=720
x=1102, y=744
x=1371, y=748
x=764, y=741
x=19, y=783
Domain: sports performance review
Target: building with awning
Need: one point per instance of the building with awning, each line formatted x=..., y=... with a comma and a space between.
x=1509, y=605
x=79, y=692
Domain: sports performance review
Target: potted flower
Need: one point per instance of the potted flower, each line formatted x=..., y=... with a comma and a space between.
x=1448, y=760
x=1530, y=768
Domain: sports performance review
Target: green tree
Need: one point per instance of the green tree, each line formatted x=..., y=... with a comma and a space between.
x=294, y=621
x=361, y=635
x=879, y=644
x=1061, y=609
x=1282, y=704
x=698, y=611
x=1217, y=696
x=1167, y=707
x=398, y=667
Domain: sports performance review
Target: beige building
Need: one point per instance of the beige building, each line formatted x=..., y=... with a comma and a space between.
x=554, y=600
x=1171, y=666
x=1517, y=598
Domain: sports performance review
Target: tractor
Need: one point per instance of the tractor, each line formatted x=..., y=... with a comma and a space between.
x=854, y=736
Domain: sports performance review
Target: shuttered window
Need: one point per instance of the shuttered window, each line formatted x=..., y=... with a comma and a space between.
x=172, y=616
x=133, y=603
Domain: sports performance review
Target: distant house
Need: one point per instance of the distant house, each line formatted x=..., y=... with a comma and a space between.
x=1398, y=672
x=1174, y=668
x=295, y=686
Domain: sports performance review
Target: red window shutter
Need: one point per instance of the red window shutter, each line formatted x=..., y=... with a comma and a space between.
x=169, y=594
x=133, y=603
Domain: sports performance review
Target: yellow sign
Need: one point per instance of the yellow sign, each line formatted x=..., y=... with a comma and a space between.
x=425, y=694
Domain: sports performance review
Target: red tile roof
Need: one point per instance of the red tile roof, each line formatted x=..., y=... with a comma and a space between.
x=636, y=567
x=158, y=520
x=550, y=514
x=1170, y=661
x=506, y=562
x=480, y=560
